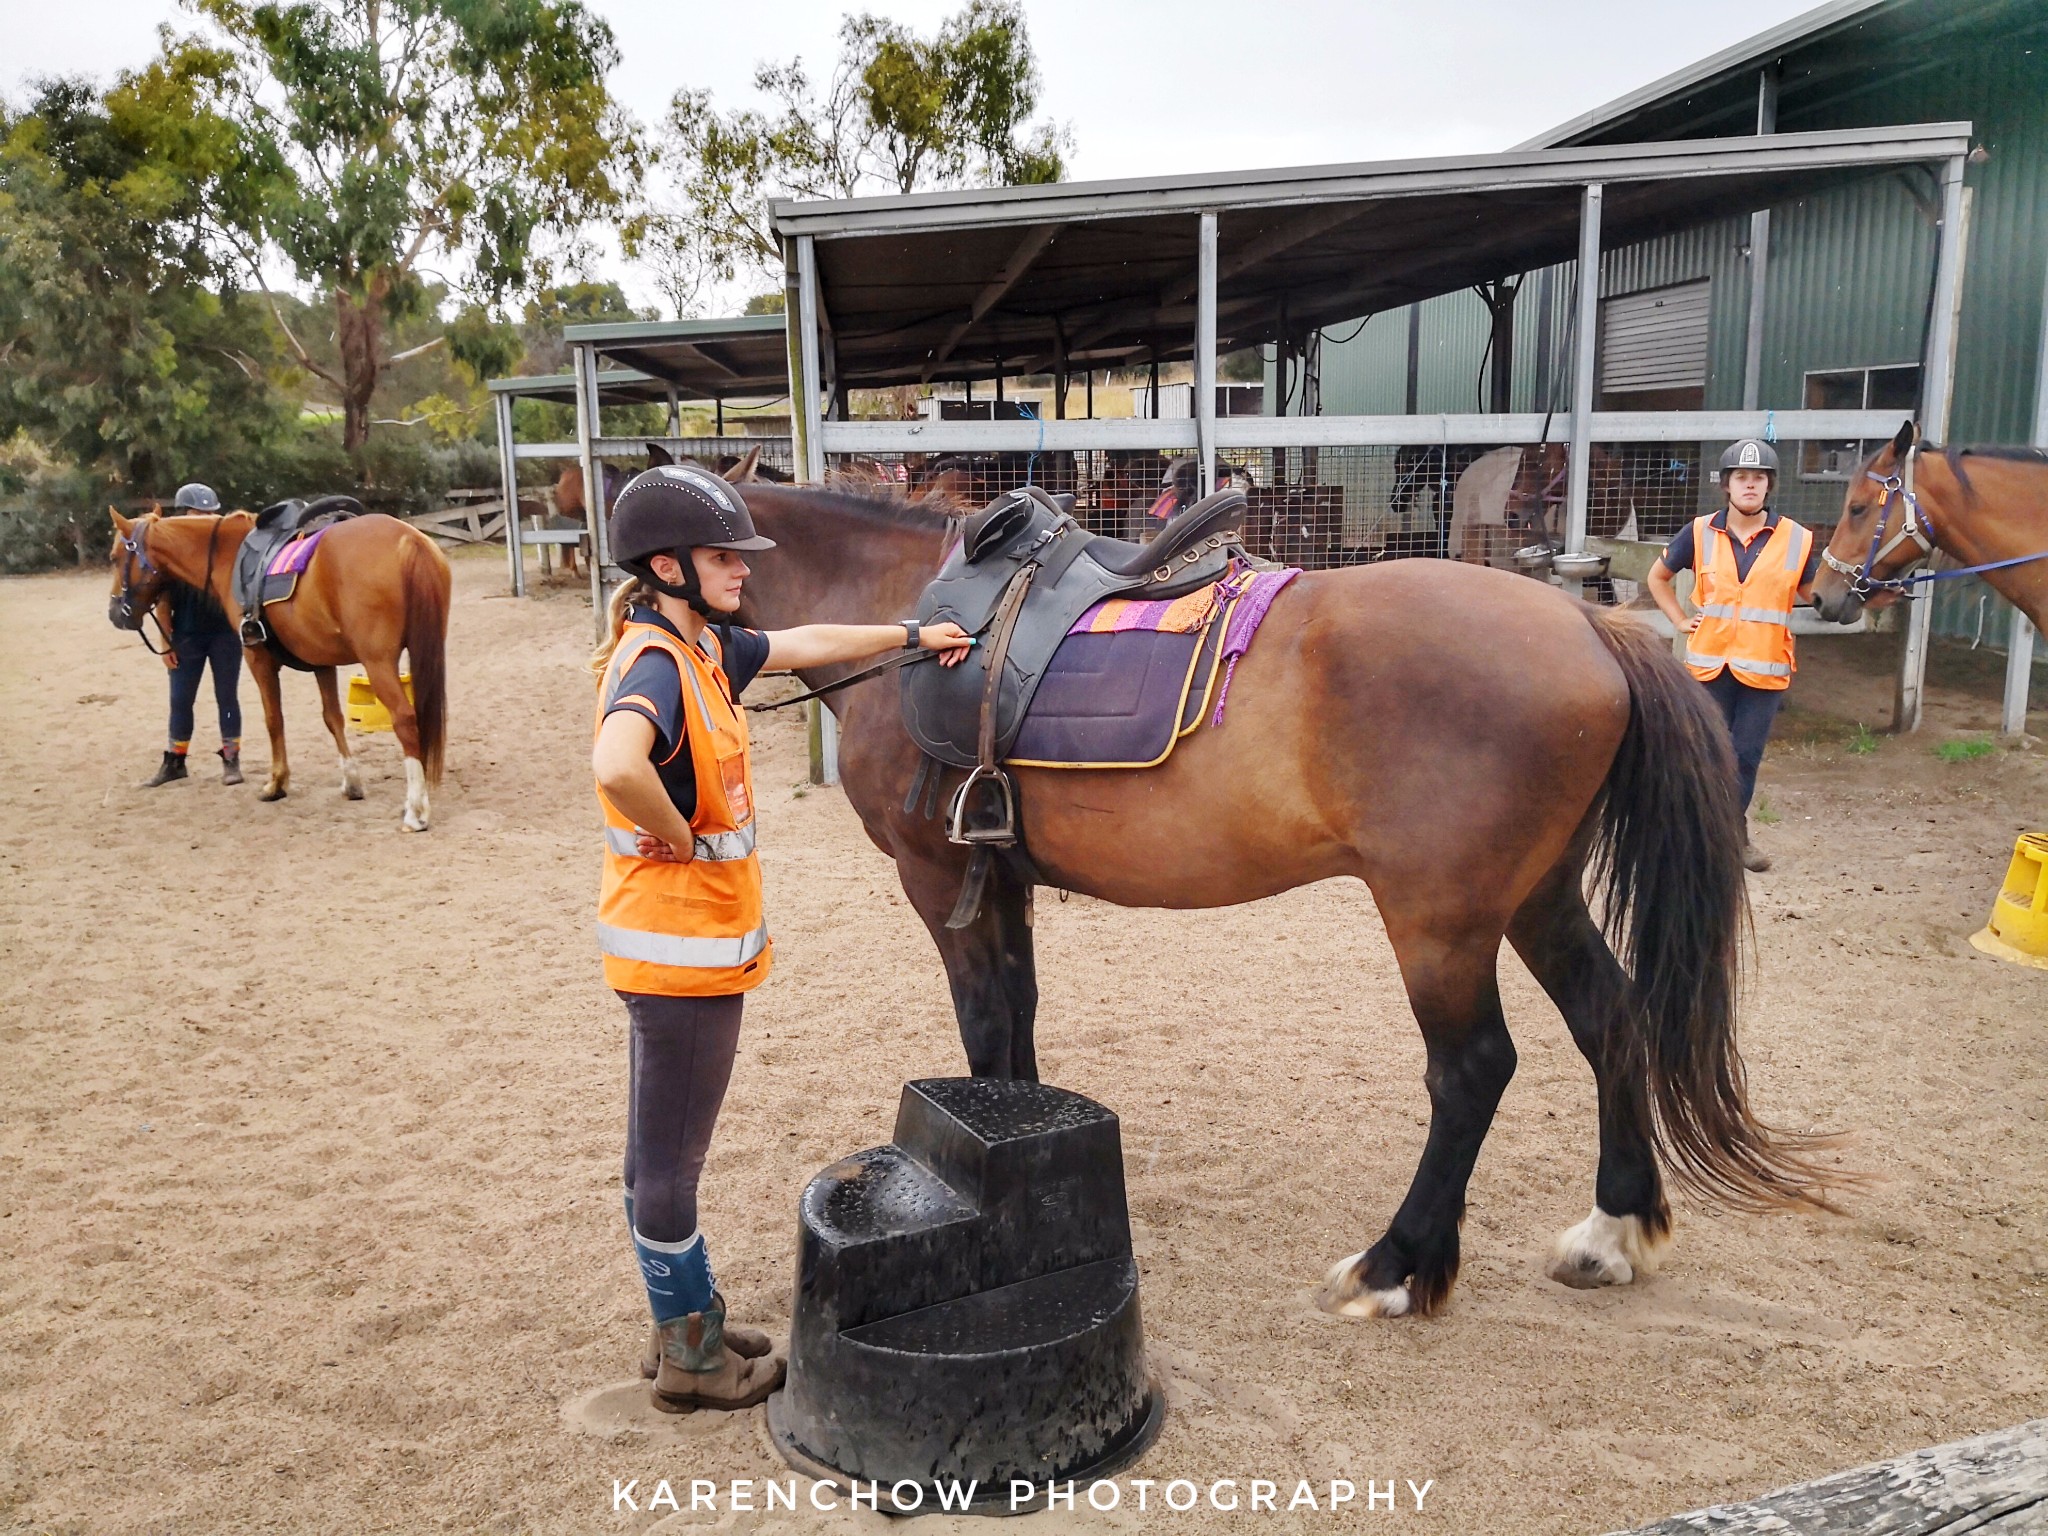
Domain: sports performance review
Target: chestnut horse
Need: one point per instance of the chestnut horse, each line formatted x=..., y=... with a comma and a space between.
x=374, y=587
x=1979, y=506
x=1465, y=741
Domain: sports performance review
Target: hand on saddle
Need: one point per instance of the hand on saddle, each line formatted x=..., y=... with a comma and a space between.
x=652, y=847
x=948, y=639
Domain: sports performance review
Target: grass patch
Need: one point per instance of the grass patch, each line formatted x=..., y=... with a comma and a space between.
x=1765, y=812
x=1963, y=751
x=1862, y=743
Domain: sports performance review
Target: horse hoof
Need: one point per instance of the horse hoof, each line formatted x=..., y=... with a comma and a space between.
x=1604, y=1250
x=353, y=791
x=1345, y=1294
x=412, y=823
x=271, y=794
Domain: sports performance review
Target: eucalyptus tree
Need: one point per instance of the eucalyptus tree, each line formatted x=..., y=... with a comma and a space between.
x=379, y=136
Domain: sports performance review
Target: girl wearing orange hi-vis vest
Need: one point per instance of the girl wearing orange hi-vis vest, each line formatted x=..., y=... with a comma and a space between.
x=680, y=920
x=1750, y=568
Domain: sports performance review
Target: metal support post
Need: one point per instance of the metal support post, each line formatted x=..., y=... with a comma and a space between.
x=807, y=418
x=2019, y=651
x=1205, y=356
x=508, y=478
x=675, y=413
x=1937, y=375
x=1585, y=341
x=1759, y=251
x=588, y=425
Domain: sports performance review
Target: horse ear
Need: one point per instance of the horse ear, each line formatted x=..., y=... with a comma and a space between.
x=748, y=467
x=1909, y=434
x=658, y=456
x=121, y=524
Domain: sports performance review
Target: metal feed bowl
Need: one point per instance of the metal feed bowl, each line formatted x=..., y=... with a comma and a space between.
x=1533, y=559
x=1584, y=566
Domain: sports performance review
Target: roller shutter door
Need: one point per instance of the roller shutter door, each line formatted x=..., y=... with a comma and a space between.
x=1655, y=340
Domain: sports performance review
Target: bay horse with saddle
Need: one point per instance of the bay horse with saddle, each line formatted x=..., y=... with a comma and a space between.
x=312, y=586
x=1474, y=772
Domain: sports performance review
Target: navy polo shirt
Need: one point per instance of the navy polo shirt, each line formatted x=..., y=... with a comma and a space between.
x=653, y=678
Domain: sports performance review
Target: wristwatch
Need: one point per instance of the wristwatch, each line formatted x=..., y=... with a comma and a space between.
x=911, y=642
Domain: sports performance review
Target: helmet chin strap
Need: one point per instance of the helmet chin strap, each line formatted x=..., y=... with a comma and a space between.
x=688, y=589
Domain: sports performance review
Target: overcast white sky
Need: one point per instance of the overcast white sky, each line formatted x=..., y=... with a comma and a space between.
x=1148, y=86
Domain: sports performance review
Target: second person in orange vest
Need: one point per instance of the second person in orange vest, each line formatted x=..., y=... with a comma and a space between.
x=679, y=914
x=1750, y=568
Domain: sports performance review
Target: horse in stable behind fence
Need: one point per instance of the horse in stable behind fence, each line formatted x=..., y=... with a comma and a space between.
x=1472, y=775
x=361, y=589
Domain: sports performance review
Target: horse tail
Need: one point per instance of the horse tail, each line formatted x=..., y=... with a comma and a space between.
x=1667, y=862
x=424, y=577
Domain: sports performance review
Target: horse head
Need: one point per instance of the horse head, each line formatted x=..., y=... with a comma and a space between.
x=138, y=581
x=1857, y=552
x=1539, y=485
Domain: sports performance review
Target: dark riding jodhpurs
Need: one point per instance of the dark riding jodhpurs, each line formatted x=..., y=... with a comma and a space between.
x=682, y=1054
x=224, y=650
x=1750, y=713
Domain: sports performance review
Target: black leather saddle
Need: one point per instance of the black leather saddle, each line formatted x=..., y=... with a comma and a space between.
x=276, y=526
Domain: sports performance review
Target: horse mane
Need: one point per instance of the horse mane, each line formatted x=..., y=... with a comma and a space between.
x=1953, y=455
x=885, y=501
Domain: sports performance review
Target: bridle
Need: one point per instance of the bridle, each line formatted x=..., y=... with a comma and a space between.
x=1916, y=526
x=134, y=553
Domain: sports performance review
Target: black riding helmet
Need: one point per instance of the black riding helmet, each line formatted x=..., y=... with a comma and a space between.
x=671, y=511
x=1750, y=453
x=194, y=497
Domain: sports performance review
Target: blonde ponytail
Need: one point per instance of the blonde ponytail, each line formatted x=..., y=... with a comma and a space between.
x=632, y=591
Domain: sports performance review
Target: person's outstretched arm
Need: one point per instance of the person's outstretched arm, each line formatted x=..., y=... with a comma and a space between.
x=820, y=645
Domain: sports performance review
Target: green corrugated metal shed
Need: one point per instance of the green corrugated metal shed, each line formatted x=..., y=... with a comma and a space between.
x=1849, y=271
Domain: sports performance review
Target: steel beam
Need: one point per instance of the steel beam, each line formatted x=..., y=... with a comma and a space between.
x=1205, y=355
x=508, y=480
x=588, y=425
x=1759, y=250
x=1937, y=380
x=871, y=437
x=813, y=466
x=1585, y=343
x=2019, y=651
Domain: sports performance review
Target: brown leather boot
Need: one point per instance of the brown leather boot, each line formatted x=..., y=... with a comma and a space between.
x=696, y=1370
x=747, y=1343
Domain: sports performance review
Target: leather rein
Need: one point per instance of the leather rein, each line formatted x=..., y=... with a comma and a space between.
x=1916, y=526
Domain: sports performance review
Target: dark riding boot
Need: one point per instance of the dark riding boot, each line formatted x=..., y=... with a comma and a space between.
x=172, y=767
x=747, y=1343
x=696, y=1369
x=1754, y=859
x=230, y=765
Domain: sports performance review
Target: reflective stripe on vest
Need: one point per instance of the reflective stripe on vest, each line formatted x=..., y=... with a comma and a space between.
x=684, y=953
x=1737, y=664
x=718, y=847
x=1747, y=615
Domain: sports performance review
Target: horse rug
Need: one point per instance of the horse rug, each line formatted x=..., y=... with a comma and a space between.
x=1133, y=678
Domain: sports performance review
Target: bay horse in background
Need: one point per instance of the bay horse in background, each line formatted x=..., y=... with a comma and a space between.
x=1471, y=775
x=1979, y=506
x=569, y=499
x=375, y=587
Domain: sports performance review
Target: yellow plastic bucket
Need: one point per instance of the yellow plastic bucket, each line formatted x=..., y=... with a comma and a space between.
x=365, y=711
x=2018, y=929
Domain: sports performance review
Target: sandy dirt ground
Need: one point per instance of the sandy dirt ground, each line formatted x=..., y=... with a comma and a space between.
x=309, y=1135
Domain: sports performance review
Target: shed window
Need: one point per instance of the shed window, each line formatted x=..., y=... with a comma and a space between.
x=1893, y=386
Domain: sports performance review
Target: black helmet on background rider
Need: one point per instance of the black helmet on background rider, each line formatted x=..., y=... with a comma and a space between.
x=1750, y=453
x=671, y=511
x=194, y=497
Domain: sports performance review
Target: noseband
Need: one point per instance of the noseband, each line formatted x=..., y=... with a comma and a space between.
x=134, y=553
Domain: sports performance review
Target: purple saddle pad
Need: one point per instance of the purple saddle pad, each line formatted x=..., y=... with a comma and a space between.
x=1117, y=700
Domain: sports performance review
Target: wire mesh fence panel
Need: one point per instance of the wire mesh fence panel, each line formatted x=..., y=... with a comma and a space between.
x=1328, y=507
x=776, y=454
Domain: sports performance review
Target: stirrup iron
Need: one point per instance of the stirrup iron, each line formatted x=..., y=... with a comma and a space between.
x=1000, y=796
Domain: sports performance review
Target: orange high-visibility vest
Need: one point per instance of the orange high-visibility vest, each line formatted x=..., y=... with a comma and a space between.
x=1746, y=623
x=695, y=929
